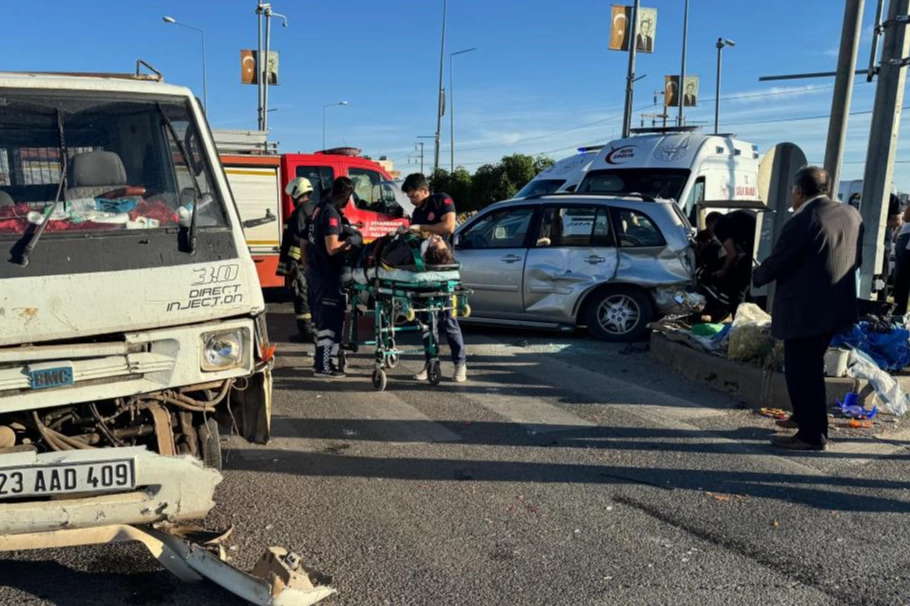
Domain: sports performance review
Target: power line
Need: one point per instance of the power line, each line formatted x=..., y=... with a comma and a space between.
x=733, y=97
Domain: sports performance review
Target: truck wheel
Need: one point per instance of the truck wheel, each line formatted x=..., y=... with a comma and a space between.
x=619, y=314
x=210, y=444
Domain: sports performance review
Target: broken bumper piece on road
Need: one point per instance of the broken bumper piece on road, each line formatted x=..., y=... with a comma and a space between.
x=278, y=579
x=159, y=491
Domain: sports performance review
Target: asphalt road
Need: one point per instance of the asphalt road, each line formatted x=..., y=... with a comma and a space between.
x=566, y=471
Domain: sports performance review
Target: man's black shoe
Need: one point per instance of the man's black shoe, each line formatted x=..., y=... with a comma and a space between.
x=794, y=443
x=328, y=374
x=787, y=423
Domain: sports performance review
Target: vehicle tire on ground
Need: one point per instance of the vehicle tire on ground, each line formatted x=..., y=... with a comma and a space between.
x=210, y=444
x=619, y=314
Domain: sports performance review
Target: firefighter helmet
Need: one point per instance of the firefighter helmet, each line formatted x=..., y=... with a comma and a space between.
x=297, y=187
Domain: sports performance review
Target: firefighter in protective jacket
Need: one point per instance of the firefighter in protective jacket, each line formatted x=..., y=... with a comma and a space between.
x=292, y=260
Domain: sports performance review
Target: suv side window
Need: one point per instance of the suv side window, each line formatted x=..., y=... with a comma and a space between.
x=566, y=226
x=505, y=228
x=367, y=189
x=636, y=229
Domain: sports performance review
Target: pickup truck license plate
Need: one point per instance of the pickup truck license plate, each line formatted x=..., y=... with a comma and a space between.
x=48, y=480
x=46, y=377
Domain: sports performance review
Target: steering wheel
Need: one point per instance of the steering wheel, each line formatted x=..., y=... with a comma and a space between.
x=123, y=192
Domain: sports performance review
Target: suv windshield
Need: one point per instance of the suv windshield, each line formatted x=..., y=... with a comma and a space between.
x=539, y=187
x=667, y=183
x=125, y=169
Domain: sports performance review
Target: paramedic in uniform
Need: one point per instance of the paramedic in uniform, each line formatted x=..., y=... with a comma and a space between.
x=325, y=255
x=435, y=213
x=292, y=259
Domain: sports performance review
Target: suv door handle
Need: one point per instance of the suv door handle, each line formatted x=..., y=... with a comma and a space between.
x=511, y=258
x=594, y=259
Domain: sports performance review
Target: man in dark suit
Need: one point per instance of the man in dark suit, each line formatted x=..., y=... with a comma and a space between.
x=814, y=264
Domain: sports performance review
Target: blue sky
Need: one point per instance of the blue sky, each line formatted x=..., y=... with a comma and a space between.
x=540, y=81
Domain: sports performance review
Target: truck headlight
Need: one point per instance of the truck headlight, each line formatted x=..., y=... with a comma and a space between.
x=224, y=350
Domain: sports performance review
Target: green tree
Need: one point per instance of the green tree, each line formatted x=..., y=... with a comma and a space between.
x=519, y=169
x=490, y=184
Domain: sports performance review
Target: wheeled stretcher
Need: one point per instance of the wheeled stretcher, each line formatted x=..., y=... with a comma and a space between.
x=397, y=297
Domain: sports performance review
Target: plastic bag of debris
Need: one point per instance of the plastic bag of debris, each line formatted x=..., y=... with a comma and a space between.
x=750, y=334
x=887, y=389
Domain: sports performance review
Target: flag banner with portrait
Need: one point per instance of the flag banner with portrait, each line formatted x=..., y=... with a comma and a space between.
x=672, y=92
x=621, y=28
x=249, y=67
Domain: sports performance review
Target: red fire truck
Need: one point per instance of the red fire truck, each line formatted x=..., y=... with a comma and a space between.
x=257, y=175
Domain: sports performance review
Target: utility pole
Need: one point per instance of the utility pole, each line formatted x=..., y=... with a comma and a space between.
x=630, y=77
x=442, y=90
x=886, y=113
x=262, y=60
x=843, y=90
x=259, y=11
x=419, y=147
x=682, y=71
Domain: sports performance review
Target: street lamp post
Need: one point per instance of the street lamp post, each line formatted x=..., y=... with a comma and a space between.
x=173, y=21
x=324, y=107
x=441, y=108
x=721, y=43
x=452, y=98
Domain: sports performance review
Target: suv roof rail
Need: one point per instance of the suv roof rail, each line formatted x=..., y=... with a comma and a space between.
x=642, y=197
x=666, y=129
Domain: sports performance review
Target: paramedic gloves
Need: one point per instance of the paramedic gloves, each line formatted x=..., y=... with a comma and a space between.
x=356, y=240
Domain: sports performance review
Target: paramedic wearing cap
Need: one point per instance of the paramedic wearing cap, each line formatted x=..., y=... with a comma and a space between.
x=435, y=213
x=292, y=259
x=325, y=255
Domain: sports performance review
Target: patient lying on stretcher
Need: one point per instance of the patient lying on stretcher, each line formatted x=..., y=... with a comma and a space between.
x=404, y=251
x=402, y=257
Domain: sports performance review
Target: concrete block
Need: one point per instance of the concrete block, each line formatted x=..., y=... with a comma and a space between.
x=661, y=349
x=749, y=384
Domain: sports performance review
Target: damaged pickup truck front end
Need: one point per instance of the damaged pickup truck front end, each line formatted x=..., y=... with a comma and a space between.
x=132, y=327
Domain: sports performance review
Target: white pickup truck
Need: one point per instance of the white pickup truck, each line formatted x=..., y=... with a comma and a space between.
x=132, y=324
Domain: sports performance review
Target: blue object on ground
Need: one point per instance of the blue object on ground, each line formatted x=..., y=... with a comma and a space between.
x=890, y=350
x=851, y=408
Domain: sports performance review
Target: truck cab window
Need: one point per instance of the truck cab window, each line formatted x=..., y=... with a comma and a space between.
x=124, y=167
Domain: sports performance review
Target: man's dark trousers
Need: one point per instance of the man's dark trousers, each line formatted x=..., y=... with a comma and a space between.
x=804, y=370
x=446, y=318
x=329, y=305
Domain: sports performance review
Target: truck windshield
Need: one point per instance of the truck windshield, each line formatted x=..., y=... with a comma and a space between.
x=539, y=187
x=667, y=183
x=125, y=169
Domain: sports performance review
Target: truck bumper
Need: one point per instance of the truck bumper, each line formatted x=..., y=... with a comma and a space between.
x=167, y=488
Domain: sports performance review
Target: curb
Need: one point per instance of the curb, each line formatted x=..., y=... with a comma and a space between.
x=749, y=384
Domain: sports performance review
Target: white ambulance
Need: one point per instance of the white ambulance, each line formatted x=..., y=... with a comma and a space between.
x=564, y=176
x=679, y=164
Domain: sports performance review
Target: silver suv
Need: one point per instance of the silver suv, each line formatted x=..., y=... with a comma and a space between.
x=613, y=264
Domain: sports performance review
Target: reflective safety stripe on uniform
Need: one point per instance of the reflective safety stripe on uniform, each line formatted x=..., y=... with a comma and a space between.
x=294, y=253
x=325, y=338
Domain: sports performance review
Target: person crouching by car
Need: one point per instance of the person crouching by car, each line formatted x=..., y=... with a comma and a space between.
x=327, y=248
x=709, y=258
x=435, y=213
x=736, y=233
x=902, y=271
